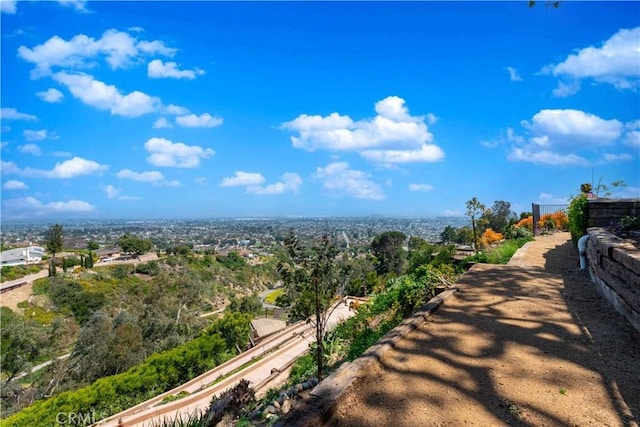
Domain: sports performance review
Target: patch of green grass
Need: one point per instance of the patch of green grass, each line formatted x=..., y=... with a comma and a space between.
x=40, y=286
x=500, y=254
x=238, y=369
x=563, y=391
x=12, y=272
x=173, y=397
x=273, y=296
x=37, y=313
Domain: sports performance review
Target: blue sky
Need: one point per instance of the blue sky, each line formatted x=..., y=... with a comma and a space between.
x=211, y=109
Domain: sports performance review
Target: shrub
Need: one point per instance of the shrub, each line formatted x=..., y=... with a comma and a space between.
x=150, y=268
x=489, y=236
x=554, y=221
x=525, y=223
x=11, y=272
x=578, y=217
x=630, y=223
x=519, y=232
x=109, y=395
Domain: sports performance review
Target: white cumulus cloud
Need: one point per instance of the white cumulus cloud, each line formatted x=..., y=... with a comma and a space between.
x=28, y=207
x=252, y=181
x=13, y=184
x=632, y=138
x=566, y=89
x=13, y=114
x=68, y=169
x=339, y=179
x=8, y=6
x=71, y=168
x=77, y=5
x=118, y=48
x=150, y=176
x=107, y=97
x=574, y=128
x=392, y=136
x=162, y=123
x=35, y=135
x=30, y=149
x=291, y=182
x=166, y=153
x=546, y=157
x=202, y=121
x=616, y=61
x=114, y=193
x=50, y=95
x=568, y=137
x=157, y=69
x=7, y=168
x=243, y=179
x=176, y=110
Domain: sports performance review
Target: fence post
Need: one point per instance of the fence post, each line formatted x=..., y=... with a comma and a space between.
x=535, y=210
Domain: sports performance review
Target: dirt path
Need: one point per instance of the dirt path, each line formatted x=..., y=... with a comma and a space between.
x=527, y=344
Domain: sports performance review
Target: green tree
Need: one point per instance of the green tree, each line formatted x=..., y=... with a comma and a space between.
x=88, y=262
x=20, y=344
x=475, y=210
x=312, y=283
x=246, y=304
x=92, y=245
x=52, y=268
x=448, y=235
x=53, y=242
x=234, y=327
x=464, y=235
x=388, y=250
x=497, y=218
x=232, y=261
x=134, y=245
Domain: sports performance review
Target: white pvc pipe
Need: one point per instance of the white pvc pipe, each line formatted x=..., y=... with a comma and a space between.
x=582, y=251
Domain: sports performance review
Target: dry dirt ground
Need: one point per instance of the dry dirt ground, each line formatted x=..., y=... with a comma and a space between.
x=527, y=344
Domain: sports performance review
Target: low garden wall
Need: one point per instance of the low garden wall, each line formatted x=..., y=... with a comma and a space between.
x=607, y=212
x=614, y=267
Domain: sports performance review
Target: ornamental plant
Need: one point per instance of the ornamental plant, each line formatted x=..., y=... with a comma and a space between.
x=554, y=221
x=526, y=223
x=489, y=236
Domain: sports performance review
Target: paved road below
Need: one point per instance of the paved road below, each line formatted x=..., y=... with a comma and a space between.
x=528, y=344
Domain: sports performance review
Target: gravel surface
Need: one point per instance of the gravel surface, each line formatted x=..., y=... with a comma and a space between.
x=529, y=344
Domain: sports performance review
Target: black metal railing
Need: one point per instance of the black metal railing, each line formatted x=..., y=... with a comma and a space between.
x=541, y=210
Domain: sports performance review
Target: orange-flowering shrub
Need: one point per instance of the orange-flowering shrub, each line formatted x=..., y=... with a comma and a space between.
x=489, y=237
x=554, y=221
x=526, y=223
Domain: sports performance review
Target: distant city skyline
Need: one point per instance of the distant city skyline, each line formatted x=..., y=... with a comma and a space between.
x=166, y=109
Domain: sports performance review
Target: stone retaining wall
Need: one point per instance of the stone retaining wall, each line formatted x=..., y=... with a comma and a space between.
x=614, y=267
x=607, y=212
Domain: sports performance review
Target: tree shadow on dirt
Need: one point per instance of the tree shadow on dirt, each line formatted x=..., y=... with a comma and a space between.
x=511, y=322
x=611, y=337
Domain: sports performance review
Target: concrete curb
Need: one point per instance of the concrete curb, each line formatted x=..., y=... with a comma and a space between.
x=319, y=407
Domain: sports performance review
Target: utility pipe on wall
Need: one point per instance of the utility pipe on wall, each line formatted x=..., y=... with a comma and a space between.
x=582, y=251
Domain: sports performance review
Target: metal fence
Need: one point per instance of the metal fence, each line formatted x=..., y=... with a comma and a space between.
x=541, y=210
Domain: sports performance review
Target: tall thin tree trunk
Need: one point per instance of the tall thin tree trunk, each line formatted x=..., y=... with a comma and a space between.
x=475, y=236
